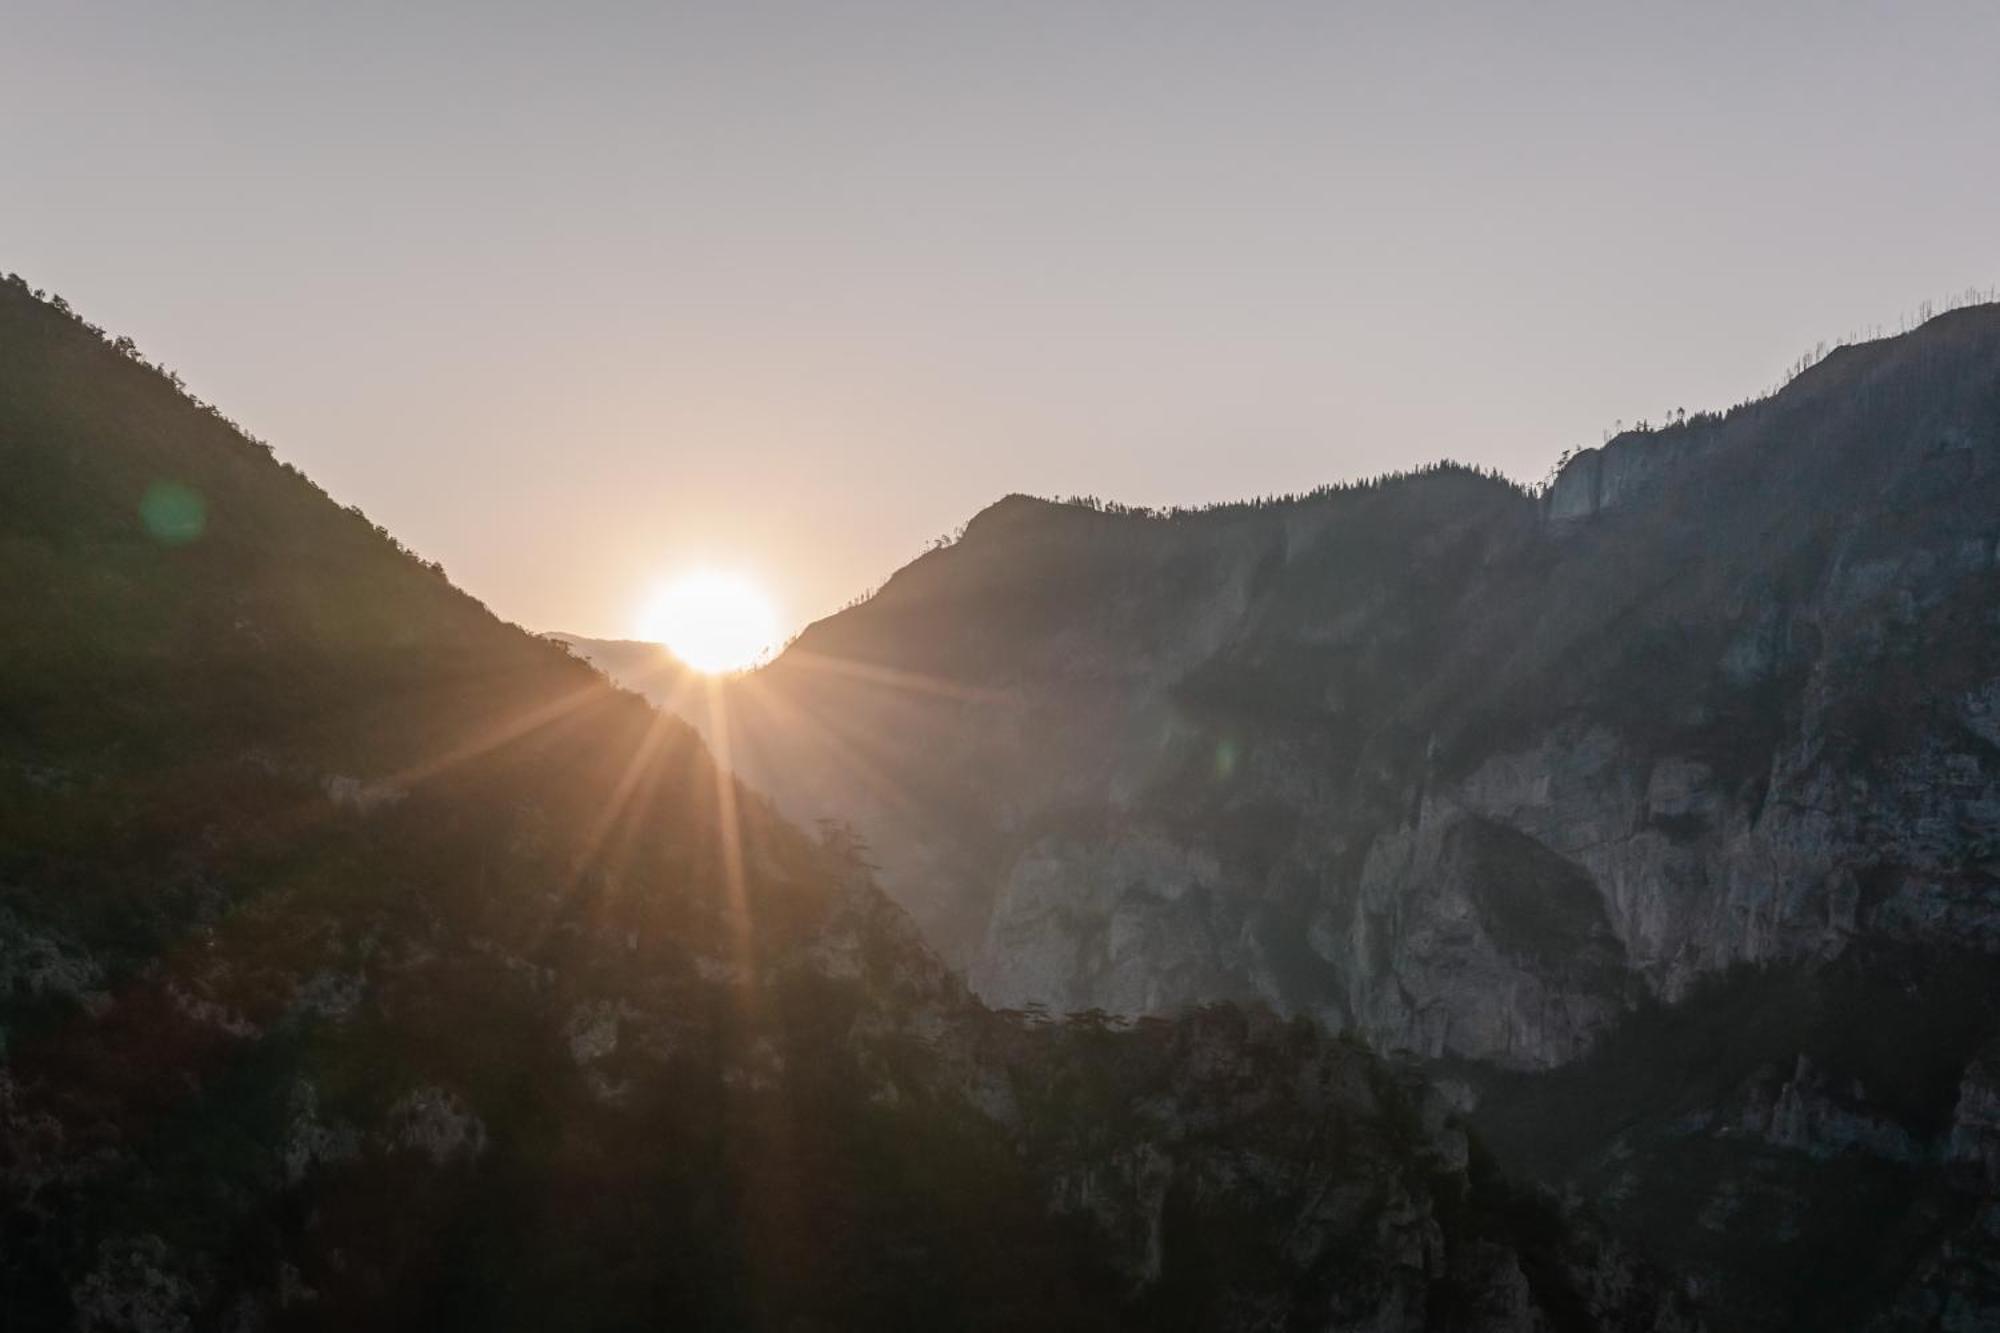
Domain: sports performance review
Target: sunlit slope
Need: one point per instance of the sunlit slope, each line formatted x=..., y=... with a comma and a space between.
x=359, y=945
x=368, y=963
x=1058, y=663
x=1681, y=780
x=323, y=887
x=1056, y=727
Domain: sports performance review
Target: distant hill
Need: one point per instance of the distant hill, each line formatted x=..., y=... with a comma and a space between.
x=1681, y=779
x=647, y=668
x=366, y=962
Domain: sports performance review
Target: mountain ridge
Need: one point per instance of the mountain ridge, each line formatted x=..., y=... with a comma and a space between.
x=368, y=962
x=1496, y=780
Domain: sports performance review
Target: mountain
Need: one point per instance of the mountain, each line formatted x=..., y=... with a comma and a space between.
x=1657, y=814
x=366, y=962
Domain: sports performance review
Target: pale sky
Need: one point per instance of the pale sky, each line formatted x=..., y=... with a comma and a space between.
x=575, y=297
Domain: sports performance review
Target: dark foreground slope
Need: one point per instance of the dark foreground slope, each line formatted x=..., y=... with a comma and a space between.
x=1705, y=743
x=368, y=963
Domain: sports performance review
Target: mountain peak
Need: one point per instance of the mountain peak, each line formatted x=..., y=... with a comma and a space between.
x=1013, y=514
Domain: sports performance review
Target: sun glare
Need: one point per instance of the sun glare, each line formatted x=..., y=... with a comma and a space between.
x=713, y=620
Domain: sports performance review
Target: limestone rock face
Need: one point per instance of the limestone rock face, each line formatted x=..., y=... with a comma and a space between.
x=1471, y=772
x=1808, y=1113
x=1122, y=923
x=438, y=1124
x=1975, y=1122
x=1595, y=480
x=367, y=963
x=1657, y=814
x=1252, y=1123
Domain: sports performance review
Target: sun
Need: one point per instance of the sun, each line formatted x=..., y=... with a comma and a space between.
x=714, y=620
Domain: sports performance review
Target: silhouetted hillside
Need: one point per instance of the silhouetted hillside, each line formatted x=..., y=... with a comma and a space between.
x=1489, y=777
x=368, y=963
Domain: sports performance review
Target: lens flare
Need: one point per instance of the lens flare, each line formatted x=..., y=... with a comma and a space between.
x=173, y=514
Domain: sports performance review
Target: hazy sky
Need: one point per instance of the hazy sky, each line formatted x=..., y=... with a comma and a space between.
x=571, y=297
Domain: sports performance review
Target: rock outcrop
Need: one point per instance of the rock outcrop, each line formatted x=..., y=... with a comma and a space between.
x=1489, y=777
x=1471, y=773
x=382, y=966
x=1617, y=473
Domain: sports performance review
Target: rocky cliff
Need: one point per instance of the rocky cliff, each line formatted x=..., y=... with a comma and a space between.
x=1480, y=775
x=368, y=963
x=1470, y=772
